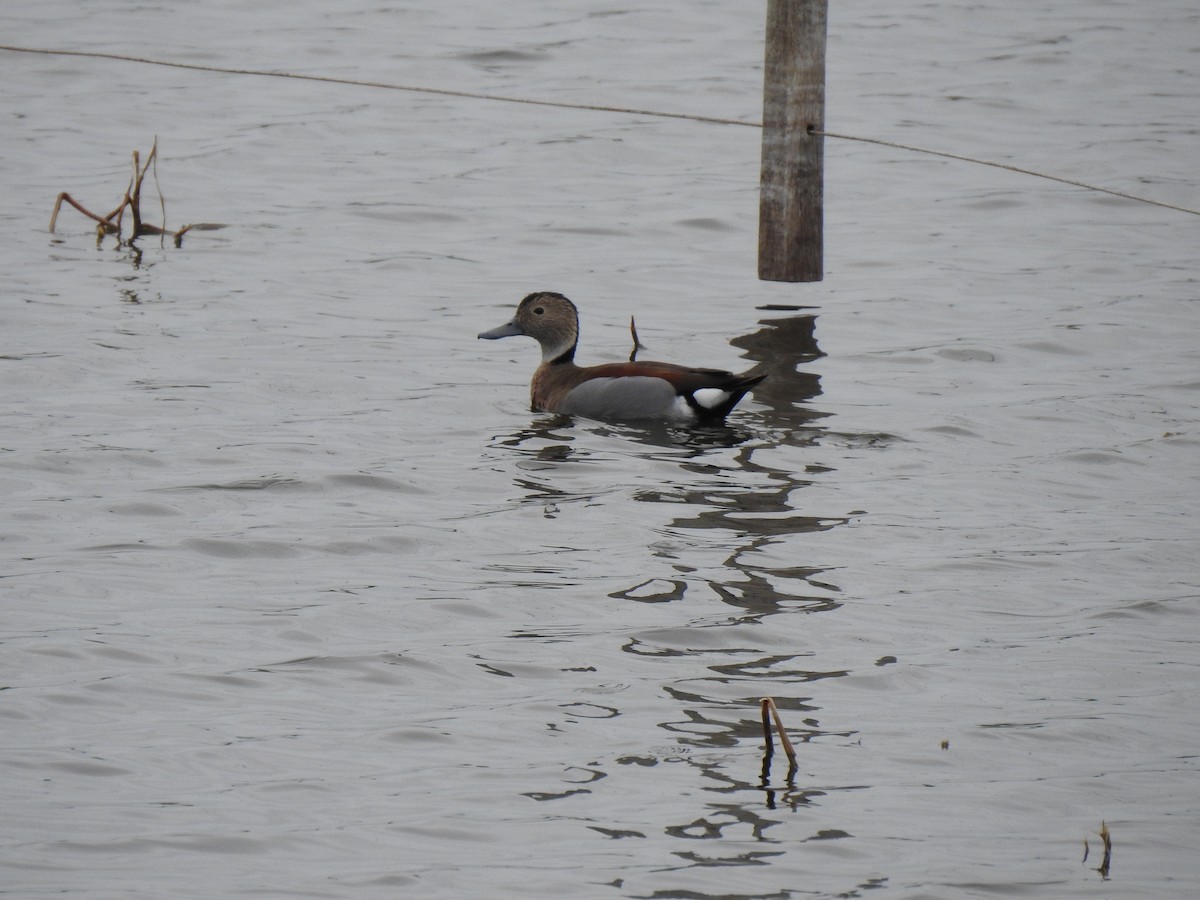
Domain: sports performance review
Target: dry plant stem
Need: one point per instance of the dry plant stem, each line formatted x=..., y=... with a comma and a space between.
x=120, y=216
x=1106, y=840
x=769, y=705
x=162, y=201
x=132, y=200
x=135, y=198
x=105, y=221
x=768, y=743
x=1106, y=862
x=783, y=738
x=637, y=344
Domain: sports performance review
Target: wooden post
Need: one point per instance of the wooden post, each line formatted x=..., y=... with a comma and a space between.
x=790, y=213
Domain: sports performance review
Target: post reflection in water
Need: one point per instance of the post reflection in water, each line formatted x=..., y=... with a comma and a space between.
x=736, y=496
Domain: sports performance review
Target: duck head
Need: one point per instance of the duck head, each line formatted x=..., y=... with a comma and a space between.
x=550, y=319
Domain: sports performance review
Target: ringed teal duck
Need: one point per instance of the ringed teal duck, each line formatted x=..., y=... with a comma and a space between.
x=615, y=391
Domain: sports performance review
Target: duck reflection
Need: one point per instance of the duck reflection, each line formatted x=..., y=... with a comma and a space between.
x=735, y=492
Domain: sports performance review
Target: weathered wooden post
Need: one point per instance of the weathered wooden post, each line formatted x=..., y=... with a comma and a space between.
x=790, y=246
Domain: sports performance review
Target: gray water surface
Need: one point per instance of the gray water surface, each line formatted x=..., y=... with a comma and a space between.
x=299, y=599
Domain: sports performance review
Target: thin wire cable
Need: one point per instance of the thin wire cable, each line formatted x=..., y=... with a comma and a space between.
x=997, y=165
x=329, y=79
x=712, y=120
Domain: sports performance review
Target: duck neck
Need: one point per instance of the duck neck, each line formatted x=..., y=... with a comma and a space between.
x=559, y=356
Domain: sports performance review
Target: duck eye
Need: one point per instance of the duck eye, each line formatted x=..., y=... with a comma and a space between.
x=537, y=311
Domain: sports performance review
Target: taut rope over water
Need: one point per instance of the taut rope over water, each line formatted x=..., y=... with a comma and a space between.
x=471, y=95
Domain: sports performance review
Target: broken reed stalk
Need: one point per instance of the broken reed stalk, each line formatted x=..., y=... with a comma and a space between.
x=111, y=224
x=134, y=197
x=1106, y=861
x=105, y=223
x=637, y=344
x=162, y=201
x=769, y=712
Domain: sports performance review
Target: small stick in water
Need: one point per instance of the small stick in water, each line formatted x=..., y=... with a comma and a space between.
x=132, y=200
x=1106, y=862
x=637, y=344
x=769, y=712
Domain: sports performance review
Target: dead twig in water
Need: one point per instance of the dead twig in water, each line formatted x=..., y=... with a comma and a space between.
x=769, y=712
x=637, y=344
x=1106, y=861
x=111, y=224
